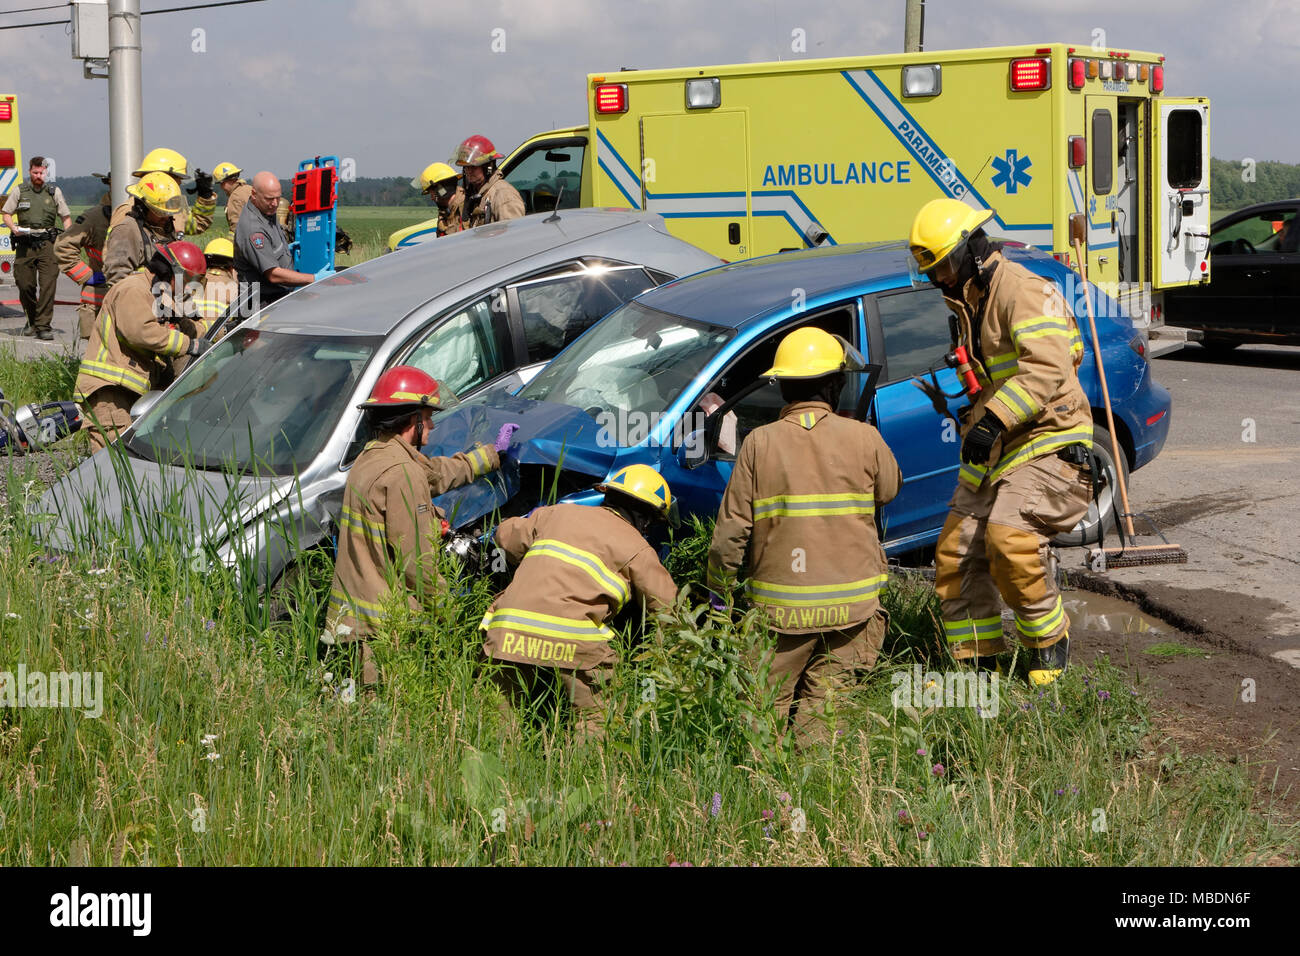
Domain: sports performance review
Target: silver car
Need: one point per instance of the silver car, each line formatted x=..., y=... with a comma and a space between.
x=245, y=457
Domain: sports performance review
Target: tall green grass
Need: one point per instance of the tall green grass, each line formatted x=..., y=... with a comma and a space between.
x=226, y=739
x=49, y=378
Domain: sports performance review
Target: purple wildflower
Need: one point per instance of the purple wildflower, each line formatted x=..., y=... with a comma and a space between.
x=1103, y=695
x=921, y=751
x=783, y=797
x=1060, y=792
x=937, y=770
x=922, y=835
x=767, y=832
x=903, y=816
x=716, y=806
x=209, y=625
x=768, y=814
x=1074, y=790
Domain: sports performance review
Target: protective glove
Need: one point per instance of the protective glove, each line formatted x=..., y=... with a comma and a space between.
x=715, y=600
x=198, y=347
x=96, y=278
x=980, y=439
x=202, y=183
x=325, y=273
x=503, y=436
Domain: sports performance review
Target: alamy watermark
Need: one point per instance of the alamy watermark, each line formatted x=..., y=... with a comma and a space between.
x=83, y=691
x=963, y=688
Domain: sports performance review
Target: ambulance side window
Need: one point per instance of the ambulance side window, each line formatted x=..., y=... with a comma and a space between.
x=1183, y=132
x=549, y=172
x=1103, y=169
x=915, y=326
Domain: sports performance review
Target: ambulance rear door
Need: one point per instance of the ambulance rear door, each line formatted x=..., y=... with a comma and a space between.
x=1180, y=191
x=695, y=173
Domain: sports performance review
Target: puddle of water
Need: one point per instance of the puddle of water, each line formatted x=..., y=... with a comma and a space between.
x=1097, y=612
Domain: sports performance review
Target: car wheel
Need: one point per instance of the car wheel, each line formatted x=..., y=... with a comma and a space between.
x=1101, y=510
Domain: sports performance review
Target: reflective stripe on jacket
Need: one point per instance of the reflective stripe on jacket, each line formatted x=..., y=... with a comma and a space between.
x=127, y=341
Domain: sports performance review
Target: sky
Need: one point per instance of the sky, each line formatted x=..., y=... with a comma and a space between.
x=395, y=84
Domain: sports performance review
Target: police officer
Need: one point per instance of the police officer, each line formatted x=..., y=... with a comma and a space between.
x=1023, y=441
x=262, y=258
x=802, y=498
x=127, y=352
x=389, y=523
x=577, y=567
x=87, y=236
x=489, y=198
x=441, y=184
x=187, y=221
x=237, y=191
x=156, y=202
x=38, y=207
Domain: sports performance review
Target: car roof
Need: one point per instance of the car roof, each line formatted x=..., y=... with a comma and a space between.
x=752, y=290
x=372, y=298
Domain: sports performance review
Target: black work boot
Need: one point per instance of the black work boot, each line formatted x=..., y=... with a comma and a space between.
x=1046, y=664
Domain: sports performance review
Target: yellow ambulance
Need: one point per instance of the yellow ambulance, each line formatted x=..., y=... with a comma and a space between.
x=757, y=158
x=11, y=174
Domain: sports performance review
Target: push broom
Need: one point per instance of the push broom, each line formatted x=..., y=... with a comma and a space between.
x=1130, y=554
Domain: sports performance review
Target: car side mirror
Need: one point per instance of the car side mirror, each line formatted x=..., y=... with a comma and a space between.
x=145, y=402
x=696, y=450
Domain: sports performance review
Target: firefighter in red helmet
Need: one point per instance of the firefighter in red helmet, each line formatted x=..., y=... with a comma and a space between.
x=488, y=197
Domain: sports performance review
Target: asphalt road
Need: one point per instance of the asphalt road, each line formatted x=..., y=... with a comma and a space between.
x=1226, y=488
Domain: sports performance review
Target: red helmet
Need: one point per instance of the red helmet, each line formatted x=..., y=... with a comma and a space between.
x=187, y=257
x=475, y=151
x=404, y=385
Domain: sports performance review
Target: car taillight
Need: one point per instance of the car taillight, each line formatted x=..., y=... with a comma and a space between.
x=1078, y=73
x=611, y=98
x=1078, y=151
x=1031, y=74
x=1139, y=345
x=7, y=159
x=1157, y=79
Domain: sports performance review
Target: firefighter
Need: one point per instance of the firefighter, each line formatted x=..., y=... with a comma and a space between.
x=578, y=566
x=156, y=201
x=220, y=287
x=127, y=352
x=87, y=235
x=802, y=498
x=389, y=530
x=1024, y=441
x=237, y=191
x=32, y=213
x=186, y=221
x=441, y=184
x=489, y=198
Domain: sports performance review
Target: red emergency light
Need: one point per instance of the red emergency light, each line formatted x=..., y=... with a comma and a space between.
x=7, y=159
x=1030, y=74
x=1078, y=151
x=1078, y=73
x=6, y=111
x=1157, y=79
x=611, y=98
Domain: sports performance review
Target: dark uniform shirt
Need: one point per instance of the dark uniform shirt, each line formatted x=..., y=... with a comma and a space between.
x=260, y=245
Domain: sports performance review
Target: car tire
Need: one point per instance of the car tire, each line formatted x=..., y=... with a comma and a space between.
x=1088, y=531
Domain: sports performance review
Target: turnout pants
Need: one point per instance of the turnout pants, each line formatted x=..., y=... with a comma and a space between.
x=806, y=668
x=36, y=272
x=525, y=686
x=996, y=543
x=108, y=412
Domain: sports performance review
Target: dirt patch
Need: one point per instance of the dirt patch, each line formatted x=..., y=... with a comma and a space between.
x=1232, y=699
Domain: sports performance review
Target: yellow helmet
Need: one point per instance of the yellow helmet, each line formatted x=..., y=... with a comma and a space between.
x=225, y=171
x=811, y=353
x=160, y=192
x=940, y=226
x=220, y=247
x=645, y=485
x=433, y=173
x=163, y=160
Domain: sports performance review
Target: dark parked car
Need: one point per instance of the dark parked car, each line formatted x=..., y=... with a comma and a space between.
x=1254, y=290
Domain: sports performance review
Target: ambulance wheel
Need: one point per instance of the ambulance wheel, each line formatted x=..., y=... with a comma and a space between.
x=1101, y=510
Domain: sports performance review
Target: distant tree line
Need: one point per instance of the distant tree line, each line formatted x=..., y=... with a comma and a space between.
x=1231, y=187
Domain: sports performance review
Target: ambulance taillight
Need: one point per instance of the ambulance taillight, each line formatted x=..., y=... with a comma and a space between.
x=6, y=111
x=1033, y=73
x=1078, y=151
x=611, y=98
x=1157, y=79
x=1078, y=73
x=7, y=159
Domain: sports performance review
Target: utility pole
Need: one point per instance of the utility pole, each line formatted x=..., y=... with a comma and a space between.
x=914, y=27
x=125, y=108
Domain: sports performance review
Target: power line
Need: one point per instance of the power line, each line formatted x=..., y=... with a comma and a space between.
x=143, y=13
x=52, y=6
x=22, y=26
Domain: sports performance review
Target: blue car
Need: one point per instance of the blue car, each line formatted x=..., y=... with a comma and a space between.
x=673, y=379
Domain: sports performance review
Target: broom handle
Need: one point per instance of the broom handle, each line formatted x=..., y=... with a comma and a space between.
x=1105, y=392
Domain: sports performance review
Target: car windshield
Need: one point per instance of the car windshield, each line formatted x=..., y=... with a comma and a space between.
x=636, y=360
x=263, y=402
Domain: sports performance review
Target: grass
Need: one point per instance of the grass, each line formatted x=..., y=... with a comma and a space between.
x=44, y=379
x=225, y=740
x=1172, y=649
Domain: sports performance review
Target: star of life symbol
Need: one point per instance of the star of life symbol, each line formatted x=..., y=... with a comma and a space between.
x=1009, y=171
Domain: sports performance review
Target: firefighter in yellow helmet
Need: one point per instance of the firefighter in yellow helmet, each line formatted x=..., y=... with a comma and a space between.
x=227, y=176
x=206, y=308
x=390, y=526
x=132, y=342
x=578, y=566
x=802, y=501
x=155, y=202
x=441, y=184
x=187, y=221
x=488, y=197
x=87, y=236
x=1024, y=441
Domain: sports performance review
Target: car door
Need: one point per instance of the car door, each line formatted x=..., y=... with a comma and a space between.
x=465, y=346
x=909, y=335
x=1243, y=291
x=699, y=490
